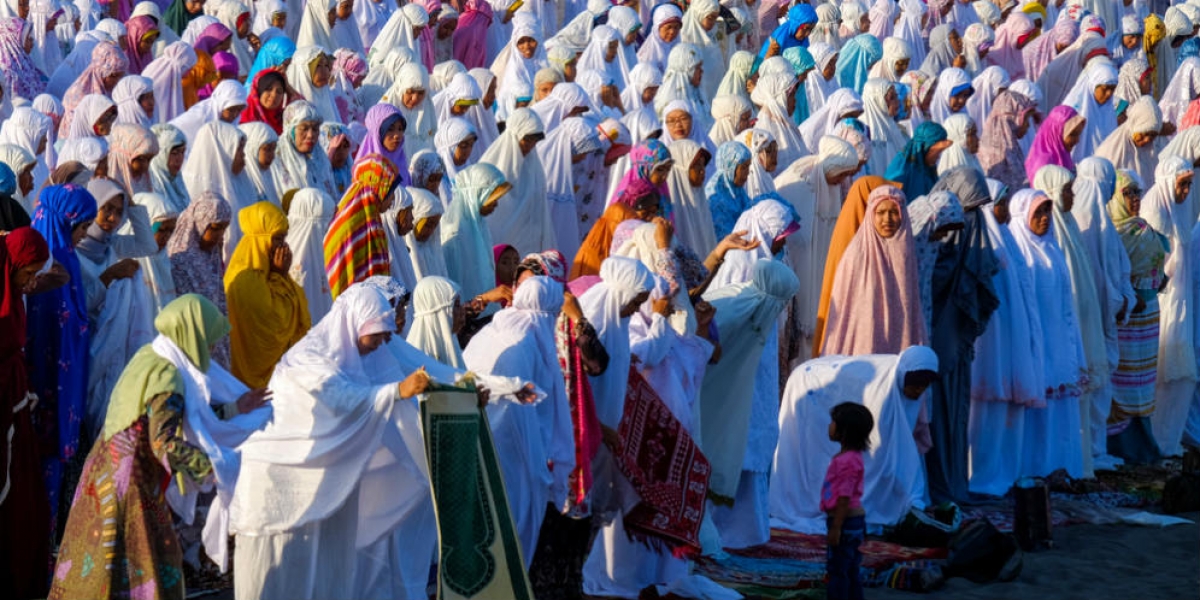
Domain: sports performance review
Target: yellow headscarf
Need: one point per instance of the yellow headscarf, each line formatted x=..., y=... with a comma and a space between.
x=259, y=222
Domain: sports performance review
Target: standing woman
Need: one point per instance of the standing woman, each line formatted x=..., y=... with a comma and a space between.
x=24, y=543
x=106, y=69
x=386, y=129
x=264, y=103
x=21, y=77
x=304, y=162
x=356, y=244
x=165, y=167
x=523, y=221
x=881, y=264
x=309, y=216
x=689, y=204
x=915, y=167
x=466, y=241
x=262, y=167
x=267, y=310
x=1055, y=138
x=1000, y=150
x=195, y=255
x=1057, y=418
x=59, y=363
x=218, y=164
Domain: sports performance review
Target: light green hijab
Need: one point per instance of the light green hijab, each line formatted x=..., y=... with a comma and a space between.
x=191, y=322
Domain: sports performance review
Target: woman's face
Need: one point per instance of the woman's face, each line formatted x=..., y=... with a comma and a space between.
x=892, y=100
x=506, y=267
x=1068, y=197
x=166, y=227
x=273, y=96
x=1000, y=211
x=489, y=97
x=1133, y=199
x=741, y=173
x=956, y=41
x=1103, y=93
x=668, y=32
x=426, y=228
x=229, y=115
x=305, y=136
x=935, y=152
x=648, y=94
x=628, y=310
x=266, y=155
x=146, y=101
x=214, y=234
x=830, y=68
x=239, y=159
x=658, y=175
x=1143, y=139
x=433, y=182
x=542, y=90
x=79, y=232
x=393, y=136
x=147, y=43
x=1183, y=187
x=679, y=123
x=103, y=125
x=709, y=21
x=527, y=46
x=462, y=151
x=25, y=277
x=527, y=144
x=1145, y=82
x=446, y=28
x=697, y=75
x=25, y=180
x=958, y=101
x=109, y=216
x=610, y=53
x=696, y=170
x=323, y=72
x=140, y=165
x=345, y=9
x=972, y=140
x=1071, y=136
x=1039, y=221
x=412, y=97
x=370, y=343
x=900, y=67
x=768, y=157
x=193, y=6
x=279, y=20
x=647, y=208
x=887, y=219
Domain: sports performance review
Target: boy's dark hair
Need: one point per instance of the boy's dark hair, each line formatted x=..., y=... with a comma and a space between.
x=854, y=424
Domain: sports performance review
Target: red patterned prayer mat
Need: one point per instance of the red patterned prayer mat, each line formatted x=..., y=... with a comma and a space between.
x=811, y=548
x=666, y=468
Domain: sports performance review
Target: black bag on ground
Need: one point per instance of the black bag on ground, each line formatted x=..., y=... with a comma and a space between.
x=981, y=553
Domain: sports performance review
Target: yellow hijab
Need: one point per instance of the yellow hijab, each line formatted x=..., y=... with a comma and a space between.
x=259, y=222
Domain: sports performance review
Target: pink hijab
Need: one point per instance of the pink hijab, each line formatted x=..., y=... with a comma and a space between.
x=875, y=305
x=432, y=7
x=1006, y=51
x=470, y=38
x=1038, y=54
x=135, y=29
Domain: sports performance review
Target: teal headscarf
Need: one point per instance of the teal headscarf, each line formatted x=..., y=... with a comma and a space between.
x=909, y=168
x=856, y=59
x=802, y=62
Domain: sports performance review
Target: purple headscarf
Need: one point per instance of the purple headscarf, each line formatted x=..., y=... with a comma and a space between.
x=377, y=121
x=21, y=77
x=1048, y=147
x=211, y=37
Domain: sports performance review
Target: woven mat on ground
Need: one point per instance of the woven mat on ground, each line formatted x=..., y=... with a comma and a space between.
x=796, y=561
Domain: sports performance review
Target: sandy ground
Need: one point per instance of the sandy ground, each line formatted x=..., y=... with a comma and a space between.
x=1096, y=562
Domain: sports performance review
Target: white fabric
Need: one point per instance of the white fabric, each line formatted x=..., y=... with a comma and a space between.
x=227, y=94
x=432, y=328
x=523, y=220
x=689, y=205
x=988, y=84
x=887, y=140
x=266, y=181
x=300, y=78
x=1118, y=147
x=207, y=169
x=167, y=73
x=958, y=127
x=1184, y=87
x=519, y=342
x=309, y=216
x=466, y=241
x=575, y=136
x=1101, y=119
x=939, y=108
x=126, y=94
x=770, y=94
x=155, y=270
x=427, y=256
x=893, y=474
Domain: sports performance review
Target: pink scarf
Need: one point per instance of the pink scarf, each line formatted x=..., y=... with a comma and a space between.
x=470, y=38
x=875, y=306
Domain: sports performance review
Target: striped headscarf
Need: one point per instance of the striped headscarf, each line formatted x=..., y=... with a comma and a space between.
x=356, y=246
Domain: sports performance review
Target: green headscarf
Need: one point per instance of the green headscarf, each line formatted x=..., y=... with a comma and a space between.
x=1147, y=248
x=194, y=324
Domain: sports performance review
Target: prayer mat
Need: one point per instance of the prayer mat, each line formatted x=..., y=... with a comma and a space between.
x=666, y=468
x=479, y=554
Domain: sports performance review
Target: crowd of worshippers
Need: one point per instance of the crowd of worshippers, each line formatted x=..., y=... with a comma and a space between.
x=242, y=241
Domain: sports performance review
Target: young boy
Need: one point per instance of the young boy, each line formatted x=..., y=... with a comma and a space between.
x=841, y=500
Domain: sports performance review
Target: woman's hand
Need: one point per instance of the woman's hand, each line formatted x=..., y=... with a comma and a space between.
x=662, y=306
x=122, y=269
x=483, y=395
x=704, y=316
x=571, y=308
x=527, y=394
x=662, y=232
x=735, y=241
x=281, y=259
x=414, y=384
x=252, y=400
x=773, y=48
x=497, y=294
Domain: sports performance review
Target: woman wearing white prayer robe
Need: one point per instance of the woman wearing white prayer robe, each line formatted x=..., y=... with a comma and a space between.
x=155, y=269
x=821, y=83
x=689, y=204
x=309, y=216
x=519, y=62
x=524, y=220
x=226, y=104
x=681, y=81
x=1165, y=208
x=296, y=506
x=217, y=164
x=1006, y=375
x=165, y=168
x=1092, y=99
x=561, y=155
x=893, y=479
x=881, y=104
x=167, y=73
x=466, y=241
x=775, y=95
x=519, y=342
x=964, y=135
x=765, y=163
x=842, y=104
x=656, y=49
x=731, y=115
x=1130, y=147
x=674, y=365
x=1063, y=368
x=699, y=29
x=738, y=423
x=310, y=74
x=462, y=98
x=262, y=167
x=424, y=242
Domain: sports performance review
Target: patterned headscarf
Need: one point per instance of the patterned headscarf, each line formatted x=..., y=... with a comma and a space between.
x=107, y=59
x=1147, y=248
x=1000, y=149
x=727, y=201
x=356, y=246
x=193, y=269
x=126, y=143
x=21, y=77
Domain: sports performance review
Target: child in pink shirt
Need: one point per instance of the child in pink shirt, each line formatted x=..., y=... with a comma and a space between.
x=841, y=500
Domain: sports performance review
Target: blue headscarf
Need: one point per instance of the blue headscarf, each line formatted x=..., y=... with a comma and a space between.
x=909, y=168
x=727, y=201
x=785, y=33
x=58, y=334
x=802, y=62
x=8, y=180
x=856, y=59
x=271, y=55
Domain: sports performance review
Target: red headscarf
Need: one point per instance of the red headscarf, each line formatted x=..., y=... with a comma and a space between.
x=22, y=247
x=256, y=112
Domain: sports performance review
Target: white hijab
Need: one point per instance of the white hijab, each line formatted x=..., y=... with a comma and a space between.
x=427, y=256
x=167, y=73
x=299, y=76
x=265, y=181
x=309, y=216
x=689, y=205
x=523, y=220
x=208, y=170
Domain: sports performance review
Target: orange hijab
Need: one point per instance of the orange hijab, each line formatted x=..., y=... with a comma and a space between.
x=854, y=210
x=596, y=245
x=202, y=74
